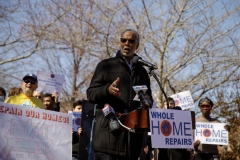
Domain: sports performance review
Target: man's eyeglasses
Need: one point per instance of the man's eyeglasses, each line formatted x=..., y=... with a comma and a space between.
x=123, y=40
x=27, y=81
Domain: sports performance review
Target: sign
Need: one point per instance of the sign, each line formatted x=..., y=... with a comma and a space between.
x=49, y=82
x=211, y=133
x=171, y=128
x=183, y=99
x=76, y=120
x=31, y=133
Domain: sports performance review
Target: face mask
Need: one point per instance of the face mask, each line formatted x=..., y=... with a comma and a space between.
x=1, y=98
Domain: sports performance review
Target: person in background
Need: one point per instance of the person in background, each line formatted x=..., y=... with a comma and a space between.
x=171, y=104
x=14, y=91
x=38, y=95
x=173, y=154
x=50, y=102
x=77, y=107
x=2, y=94
x=207, y=151
x=29, y=85
x=112, y=83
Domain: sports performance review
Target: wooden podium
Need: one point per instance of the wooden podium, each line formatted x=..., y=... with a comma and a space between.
x=137, y=119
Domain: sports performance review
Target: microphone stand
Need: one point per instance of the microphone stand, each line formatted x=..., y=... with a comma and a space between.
x=151, y=73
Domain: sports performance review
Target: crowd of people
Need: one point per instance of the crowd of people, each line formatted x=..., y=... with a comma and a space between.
x=112, y=83
x=28, y=96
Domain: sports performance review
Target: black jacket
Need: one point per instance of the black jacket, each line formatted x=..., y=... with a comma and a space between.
x=107, y=71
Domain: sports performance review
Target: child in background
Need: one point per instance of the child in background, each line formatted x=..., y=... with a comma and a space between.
x=77, y=107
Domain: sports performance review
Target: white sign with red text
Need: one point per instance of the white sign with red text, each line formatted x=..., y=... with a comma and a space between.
x=31, y=133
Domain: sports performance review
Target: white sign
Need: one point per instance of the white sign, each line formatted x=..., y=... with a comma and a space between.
x=171, y=128
x=211, y=133
x=31, y=133
x=76, y=120
x=137, y=89
x=183, y=99
x=49, y=82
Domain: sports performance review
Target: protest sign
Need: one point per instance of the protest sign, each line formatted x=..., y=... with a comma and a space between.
x=76, y=120
x=49, y=82
x=211, y=133
x=30, y=133
x=170, y=128
x=183, y=100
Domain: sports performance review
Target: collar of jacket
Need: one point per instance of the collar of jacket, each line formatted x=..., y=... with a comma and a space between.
x=121, y=58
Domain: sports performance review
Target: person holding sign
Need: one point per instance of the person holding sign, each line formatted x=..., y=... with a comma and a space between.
x=77, y=107
x=173, y=154
x=112, y=86
x=50, y=102
x=29, y=85
x=207, y=151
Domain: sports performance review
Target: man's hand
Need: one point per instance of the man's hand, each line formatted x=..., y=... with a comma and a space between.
x=227, y=127
x=55, y=95
x=196, y=144
x=79, y=131
x=145, y=149
x=113, y=90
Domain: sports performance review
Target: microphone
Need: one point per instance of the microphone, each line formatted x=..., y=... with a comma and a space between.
x=114, y=125
x=137, y=59
x=140, y=90
x=108, y=111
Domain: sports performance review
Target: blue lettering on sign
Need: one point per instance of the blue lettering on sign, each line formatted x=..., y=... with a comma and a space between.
x=162, y=115
x=178, y=141
x=204, y=126
x=155, y=127
x=219, y=133
x=181, y=130
x=175, y=128
x=186, y=128
x=185, y=99
x=217, y=140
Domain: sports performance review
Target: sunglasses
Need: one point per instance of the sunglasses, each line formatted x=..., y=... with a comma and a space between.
x=206, y=106
x=27, y=81
x=123, y=40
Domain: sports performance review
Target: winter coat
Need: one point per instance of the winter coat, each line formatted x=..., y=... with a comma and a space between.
x=107, y=71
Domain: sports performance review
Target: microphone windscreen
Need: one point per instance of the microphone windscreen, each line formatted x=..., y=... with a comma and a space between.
x=135, y=59
x=107, y=110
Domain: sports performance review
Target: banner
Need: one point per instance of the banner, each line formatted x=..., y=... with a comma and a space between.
x=30, y=133
x=76, y=120
x=211, y=133
x=49, y=82
x=183, y=100
x=171, y=128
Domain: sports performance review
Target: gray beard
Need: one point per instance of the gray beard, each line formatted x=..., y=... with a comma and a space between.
x=28, y=92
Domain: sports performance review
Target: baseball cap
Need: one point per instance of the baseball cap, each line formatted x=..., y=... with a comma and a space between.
x=32, y=76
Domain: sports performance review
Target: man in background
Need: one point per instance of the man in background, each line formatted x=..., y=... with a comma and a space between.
x=50, y=101
x=2, y=94
x=29, y=85
x=38, y=95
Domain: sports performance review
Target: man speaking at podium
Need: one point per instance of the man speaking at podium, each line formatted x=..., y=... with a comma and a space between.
x=112, y=83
